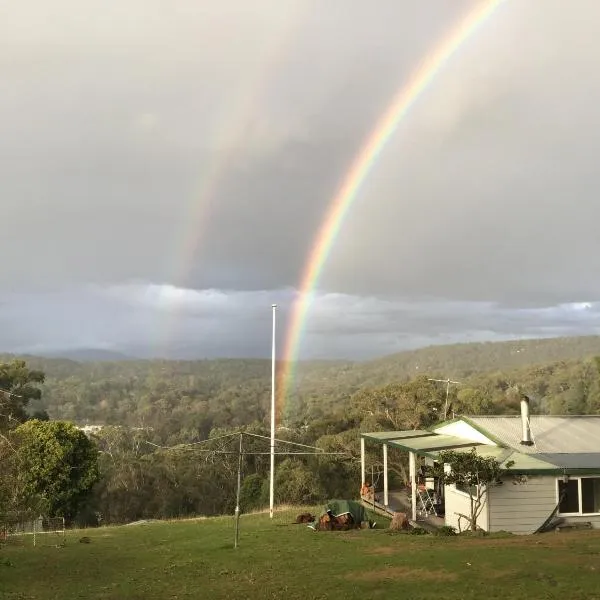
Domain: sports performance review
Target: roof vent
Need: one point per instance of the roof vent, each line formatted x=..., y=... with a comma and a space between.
x=525, y=423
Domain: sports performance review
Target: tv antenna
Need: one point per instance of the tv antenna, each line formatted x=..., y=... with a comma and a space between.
x=447, y=382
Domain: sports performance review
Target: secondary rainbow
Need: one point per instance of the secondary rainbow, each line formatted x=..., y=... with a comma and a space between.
x=228, y=136
x=362, y=165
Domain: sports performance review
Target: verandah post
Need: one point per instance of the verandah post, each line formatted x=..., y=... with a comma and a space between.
x=412, y=465
x=385, y=476
x=362, y=461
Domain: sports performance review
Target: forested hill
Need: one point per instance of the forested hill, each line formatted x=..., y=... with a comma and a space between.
x=463, y=360
x=228, y=393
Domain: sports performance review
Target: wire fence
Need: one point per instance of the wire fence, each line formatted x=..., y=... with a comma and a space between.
x=41, y=531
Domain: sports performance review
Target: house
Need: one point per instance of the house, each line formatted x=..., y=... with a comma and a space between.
x=554, y=477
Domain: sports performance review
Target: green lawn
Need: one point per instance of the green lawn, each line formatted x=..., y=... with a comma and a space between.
x=196, y=559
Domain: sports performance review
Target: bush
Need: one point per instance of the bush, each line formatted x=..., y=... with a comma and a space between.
x=251, y=493
x=446, y=530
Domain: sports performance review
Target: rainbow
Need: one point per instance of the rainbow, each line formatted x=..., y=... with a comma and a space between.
x=360, y=169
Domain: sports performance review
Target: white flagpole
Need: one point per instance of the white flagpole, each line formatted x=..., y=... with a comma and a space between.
x=272, y=479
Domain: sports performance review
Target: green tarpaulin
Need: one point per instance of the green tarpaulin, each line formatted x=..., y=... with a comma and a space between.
x=343, y=507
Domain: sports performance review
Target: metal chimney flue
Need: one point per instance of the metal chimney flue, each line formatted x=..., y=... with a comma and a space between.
x=526, y=439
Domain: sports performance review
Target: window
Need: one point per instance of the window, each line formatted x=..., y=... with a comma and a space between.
x=568, y=494
x=579, y=496
x=590, y=495
x=466, y=489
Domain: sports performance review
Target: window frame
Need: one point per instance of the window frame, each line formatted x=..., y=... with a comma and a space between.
x=470, y=494
x=578, y=478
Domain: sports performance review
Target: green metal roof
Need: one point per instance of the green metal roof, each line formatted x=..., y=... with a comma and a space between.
x=384, y=436
x=522, y=463
x=428, y=443
x=434, y=443
x=420, y=442
x=574, y=460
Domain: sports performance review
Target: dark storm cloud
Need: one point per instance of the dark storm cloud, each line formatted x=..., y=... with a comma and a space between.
x=163, y=321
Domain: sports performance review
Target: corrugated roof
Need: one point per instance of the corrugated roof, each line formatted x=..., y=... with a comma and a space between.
x=396, y=435
x=580, y=460
x=522, y=463
x=421, y=442
x=551, y=434
x=435, y=442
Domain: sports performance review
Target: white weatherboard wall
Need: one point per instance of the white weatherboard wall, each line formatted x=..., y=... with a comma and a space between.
x=457, y=502
x=523, y=507
x=464, y=430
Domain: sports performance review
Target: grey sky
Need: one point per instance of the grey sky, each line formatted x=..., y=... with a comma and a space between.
x=197, y=144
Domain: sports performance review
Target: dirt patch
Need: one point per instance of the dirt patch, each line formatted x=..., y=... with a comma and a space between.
x=493, y=573
x=382, y=551
x=404, y=573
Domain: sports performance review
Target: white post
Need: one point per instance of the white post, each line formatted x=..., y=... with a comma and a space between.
x=237, y=501
x=446, y=403
x=362, y=461
x=385, y=476
x=272, y=478
x=412, y=467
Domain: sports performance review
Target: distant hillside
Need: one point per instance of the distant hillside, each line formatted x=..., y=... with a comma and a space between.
x=88, y=355
x=464, y=360
x=457, y=360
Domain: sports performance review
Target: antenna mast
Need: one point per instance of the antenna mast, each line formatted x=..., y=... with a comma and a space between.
x=447, y=382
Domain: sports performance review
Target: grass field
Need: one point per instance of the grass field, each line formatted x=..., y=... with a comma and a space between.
x=196, y=559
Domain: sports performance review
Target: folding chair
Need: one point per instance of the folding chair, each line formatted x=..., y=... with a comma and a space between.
x=426, y=500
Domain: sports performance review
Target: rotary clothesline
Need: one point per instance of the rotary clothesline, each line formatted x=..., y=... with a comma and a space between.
x=194, y=446
x=241, y=453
